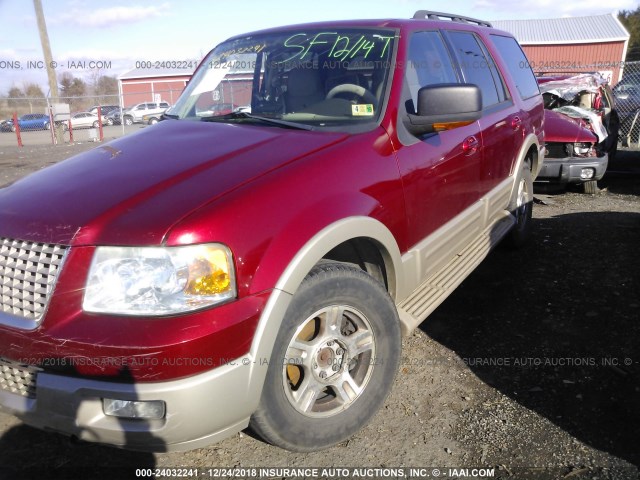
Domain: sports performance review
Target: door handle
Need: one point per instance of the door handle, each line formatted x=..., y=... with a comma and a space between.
x=470, y=145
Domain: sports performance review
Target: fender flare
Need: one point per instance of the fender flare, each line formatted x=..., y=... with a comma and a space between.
x=289, y=282
x=529, y=141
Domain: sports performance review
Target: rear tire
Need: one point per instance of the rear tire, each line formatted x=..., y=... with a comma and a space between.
x=333, y=362
x=128, y=121
x=521, y=206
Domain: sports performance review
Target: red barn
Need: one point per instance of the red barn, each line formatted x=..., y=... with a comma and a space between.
x=155, y=85
x=152, y=85
x=573, y=44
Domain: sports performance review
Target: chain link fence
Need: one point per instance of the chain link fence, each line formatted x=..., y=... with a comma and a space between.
x=120, y=114
x=627, y=97
x=35, y=128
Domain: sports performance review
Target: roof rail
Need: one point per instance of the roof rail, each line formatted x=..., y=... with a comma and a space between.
x=428, y=14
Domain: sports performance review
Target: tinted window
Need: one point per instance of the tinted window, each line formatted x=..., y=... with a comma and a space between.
x=428, y=63
x=476, y=67
x=517, y=64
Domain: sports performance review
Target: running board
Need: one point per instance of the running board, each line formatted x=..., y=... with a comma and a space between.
x=435, y=289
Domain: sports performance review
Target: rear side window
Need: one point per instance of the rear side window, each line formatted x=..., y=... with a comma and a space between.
x=477, y=67
x=518, y=65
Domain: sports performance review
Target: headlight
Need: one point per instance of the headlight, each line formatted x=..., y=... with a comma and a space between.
x=581, y=149
x=159, y=280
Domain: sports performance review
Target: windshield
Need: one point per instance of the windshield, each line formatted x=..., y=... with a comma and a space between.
x=313, y=78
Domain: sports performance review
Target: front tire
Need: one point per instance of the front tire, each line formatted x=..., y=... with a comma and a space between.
x=333, y=362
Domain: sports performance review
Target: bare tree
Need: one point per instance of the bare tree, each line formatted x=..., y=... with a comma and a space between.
x=105, y=88
x=71, y=89
x=35, y=98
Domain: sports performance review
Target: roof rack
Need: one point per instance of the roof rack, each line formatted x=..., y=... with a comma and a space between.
x=428, y=14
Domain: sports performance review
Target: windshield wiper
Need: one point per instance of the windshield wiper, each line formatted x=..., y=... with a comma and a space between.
x=173, y=116
x=249, y=116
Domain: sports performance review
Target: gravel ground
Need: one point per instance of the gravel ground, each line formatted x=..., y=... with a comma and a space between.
x=532, y=367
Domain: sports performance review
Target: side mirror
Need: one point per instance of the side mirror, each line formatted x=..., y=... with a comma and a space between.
x=445, y=106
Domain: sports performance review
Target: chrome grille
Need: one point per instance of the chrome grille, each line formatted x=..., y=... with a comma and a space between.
x=28, y=273
x=18, y=379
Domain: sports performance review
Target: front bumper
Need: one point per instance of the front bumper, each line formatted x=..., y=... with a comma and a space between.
x=200, y=410
x=567, y=170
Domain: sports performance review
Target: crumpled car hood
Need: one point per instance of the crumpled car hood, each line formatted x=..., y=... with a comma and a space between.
x=132, y=190
x=562, y=129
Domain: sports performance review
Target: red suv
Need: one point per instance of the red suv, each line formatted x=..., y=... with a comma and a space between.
x=259, y=267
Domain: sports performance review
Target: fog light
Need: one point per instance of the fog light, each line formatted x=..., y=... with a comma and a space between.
x=152, y=410
x=587, y=173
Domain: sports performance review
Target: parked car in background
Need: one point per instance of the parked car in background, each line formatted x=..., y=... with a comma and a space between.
x=572, y=155
x=86, y=120
x=581, y=130
x=31, y=121
x=5, y=125
x=153, y=118
x=135, y=113
x=114, y=117
x=104, y=109
x=217, y=109
x=627, y=97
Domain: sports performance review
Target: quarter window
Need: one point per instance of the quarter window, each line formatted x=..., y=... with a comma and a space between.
x=517, y=65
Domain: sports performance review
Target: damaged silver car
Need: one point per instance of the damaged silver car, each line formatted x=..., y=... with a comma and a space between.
x=581, y=130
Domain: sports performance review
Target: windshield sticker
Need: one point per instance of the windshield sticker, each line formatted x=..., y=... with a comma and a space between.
x=364, y=110
x=341, y=47
x=257, y=48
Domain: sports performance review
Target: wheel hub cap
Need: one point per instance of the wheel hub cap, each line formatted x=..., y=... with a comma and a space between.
x=329, y=361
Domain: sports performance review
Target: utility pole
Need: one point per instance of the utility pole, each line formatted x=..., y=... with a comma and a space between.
x=48, y=58
x=46, y=49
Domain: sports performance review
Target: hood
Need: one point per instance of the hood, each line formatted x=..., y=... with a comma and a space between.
x=559, y=128
x=132, y=190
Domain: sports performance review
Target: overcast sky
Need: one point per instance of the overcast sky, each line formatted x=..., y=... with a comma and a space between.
x=121, y=32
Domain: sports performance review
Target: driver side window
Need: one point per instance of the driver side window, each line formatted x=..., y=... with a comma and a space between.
x=428, y=63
